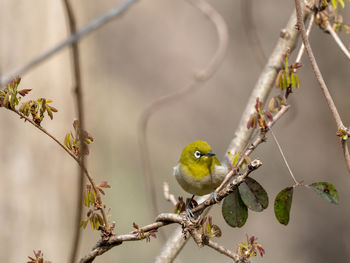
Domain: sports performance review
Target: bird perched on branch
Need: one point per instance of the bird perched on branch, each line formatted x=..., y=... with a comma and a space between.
x=198, y=171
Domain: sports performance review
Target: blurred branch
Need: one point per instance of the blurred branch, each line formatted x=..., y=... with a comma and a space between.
x=319, y=77
x=196, y=83
x=91, y=26
x=80, y=108
x=265, y=83
x=338, y=40
x=251, y=32
x=169, y=197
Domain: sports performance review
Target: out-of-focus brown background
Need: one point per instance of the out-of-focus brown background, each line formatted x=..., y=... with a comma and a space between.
x=151, y=50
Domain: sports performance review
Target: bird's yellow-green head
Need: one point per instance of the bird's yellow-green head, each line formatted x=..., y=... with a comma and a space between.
x=198, y=160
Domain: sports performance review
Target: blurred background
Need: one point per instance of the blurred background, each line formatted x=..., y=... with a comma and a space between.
x=151, y=50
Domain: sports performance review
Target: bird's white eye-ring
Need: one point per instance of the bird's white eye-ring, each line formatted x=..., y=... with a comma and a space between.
x=197, y=154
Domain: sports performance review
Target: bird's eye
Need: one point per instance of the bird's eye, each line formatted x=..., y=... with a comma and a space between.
x=197, y=154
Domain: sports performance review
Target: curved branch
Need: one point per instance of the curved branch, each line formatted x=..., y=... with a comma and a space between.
x=251, y=32
x=91, y=26
x=196, y=83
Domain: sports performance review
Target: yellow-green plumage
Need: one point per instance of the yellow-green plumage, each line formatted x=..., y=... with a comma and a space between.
x=199, y=172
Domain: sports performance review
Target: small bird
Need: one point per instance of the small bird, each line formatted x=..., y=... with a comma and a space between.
x=198, y=171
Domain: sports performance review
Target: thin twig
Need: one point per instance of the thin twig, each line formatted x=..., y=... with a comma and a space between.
x=226, y=251
x=320, y=79
x=92, y=182
x=229, y=188
x=283, y=156
x=91, y=26
x=80, y=108
x=315, y=67
x=308, y=31
x=338, y=40
x=252, y=147
x=345, y=147
x=196, y=83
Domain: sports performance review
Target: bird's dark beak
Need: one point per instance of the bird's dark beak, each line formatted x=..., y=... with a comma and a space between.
x=209, y=154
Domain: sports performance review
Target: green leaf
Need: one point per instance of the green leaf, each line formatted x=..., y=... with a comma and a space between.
x=334, y=2
x=284, y=81
x=253, y=195
x=86, y=199
x=234, y=210
x=283, y=203
x=326, y=190
x=280, y=81
x=67, y=141
x=286, y=65
x=294, y=81
x=84, y=223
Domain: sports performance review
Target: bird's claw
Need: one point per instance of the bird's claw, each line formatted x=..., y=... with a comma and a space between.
x=214, y=196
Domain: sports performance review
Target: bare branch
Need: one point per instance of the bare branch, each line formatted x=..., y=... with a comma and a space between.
x=196, y=83
x=226, y=251
x=320, y=79
x=91, y=26
x=80, y=109
x=315, y=67
x=346, y=153
x=338, y=40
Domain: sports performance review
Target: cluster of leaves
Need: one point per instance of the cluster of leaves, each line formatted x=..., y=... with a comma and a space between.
x=10, y=97
x=283, y=201
x=287, y=78
x=259, y=117
x=141, y=233
x=91, y=203
x=72, y=141
x=326, y=13
x=251, y=248
x=37, y=109
x=249, y=194
x=39, y=258
x=209, y=230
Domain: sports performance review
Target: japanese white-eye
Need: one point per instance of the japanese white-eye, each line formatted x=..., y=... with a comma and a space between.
x=198, y=171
